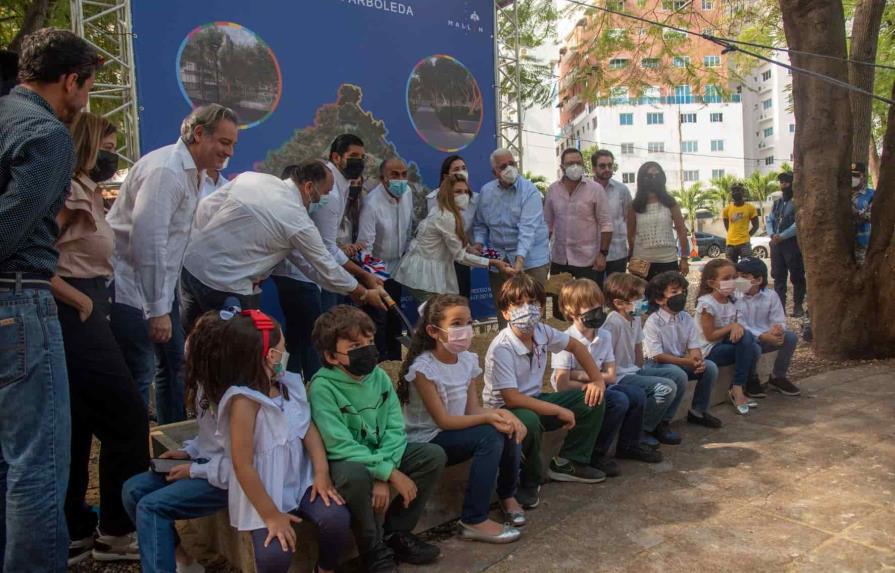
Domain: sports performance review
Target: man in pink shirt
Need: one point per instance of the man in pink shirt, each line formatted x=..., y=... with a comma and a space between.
x=579, y=221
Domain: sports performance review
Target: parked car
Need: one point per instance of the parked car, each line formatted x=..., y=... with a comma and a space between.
x=709, y=245
x=761, y=245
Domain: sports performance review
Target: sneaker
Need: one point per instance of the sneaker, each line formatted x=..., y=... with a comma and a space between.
x=753, y=388
x=116, y=547
x=608, y=466
x=380, y=559
x=784, y=386
x=705, y=419
x=666, y=435
x=411, y=549
x=79, y=550
x=528, y=497
x=640, y=453
x=573, y=471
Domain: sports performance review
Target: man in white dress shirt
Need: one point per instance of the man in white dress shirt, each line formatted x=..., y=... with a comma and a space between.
x=246, y=229
x=152, y=218
x=385, y=228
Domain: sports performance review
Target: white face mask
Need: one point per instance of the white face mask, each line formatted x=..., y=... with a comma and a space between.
x=855, y=182
x=462, y=201
x=741, y=286
x=574, y=172
x=226, y=163
x=464, y=174
x=509, y=174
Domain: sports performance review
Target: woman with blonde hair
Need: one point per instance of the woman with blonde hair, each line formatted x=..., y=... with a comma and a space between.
x=427, y=269
x=105, y=401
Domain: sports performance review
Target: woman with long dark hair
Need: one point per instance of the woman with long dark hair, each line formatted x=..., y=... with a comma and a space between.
x=653, y=221
x=456, y=165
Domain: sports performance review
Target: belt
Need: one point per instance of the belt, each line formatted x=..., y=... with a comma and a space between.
x=19, y=281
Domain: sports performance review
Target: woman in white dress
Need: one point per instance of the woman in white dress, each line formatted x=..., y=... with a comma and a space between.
x=428, y=267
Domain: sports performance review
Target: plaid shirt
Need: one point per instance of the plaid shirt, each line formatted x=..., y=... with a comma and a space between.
x=36, y=163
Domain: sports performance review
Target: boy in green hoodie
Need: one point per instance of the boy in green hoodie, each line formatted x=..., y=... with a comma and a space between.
x=356, y=410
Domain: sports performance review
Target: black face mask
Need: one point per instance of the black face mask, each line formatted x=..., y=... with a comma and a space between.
x=594, y=318
x=677, y=302
x=738, y=198
x=787, y=193
x=106, y=166
x=362, y=361
x=354, y=167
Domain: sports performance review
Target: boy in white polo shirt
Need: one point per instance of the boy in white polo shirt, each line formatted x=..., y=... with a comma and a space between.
x=582, y=301
x=671, y=345
x=514, y=374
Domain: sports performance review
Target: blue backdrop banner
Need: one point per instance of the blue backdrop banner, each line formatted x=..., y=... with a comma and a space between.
x=413, y=78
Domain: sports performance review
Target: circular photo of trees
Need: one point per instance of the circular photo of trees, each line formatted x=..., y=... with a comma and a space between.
x=228, y=64
x=444, y=103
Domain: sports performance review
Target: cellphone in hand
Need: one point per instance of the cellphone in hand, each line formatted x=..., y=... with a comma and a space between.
x=165, y=465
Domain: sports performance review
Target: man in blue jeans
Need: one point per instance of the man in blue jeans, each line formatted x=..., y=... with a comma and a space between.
x=57, y=71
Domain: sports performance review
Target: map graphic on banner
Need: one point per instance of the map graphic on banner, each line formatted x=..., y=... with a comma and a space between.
x=414, y=79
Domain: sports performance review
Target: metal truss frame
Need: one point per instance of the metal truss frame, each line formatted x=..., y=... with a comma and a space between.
x=508, y=71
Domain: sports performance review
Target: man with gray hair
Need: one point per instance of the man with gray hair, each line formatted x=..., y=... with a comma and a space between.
x=510, y=219
x=152, y=218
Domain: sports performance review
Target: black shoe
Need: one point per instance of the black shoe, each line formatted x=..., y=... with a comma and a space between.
x=411, y=549
x=640, y=453
x=607, y=466
x=528, y=497
x=666, y=435
x=784, y=386
x=798, y=312
x=380, y=559
x=706, y=420
x=753, y=388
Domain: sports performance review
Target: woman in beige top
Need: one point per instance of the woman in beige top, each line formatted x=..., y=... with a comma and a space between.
x=105, y=401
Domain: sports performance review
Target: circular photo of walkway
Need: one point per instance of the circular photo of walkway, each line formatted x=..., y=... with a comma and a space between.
x=444, y=103
x=225, y=63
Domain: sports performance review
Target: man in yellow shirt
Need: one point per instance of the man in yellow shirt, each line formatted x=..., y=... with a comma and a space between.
x=737, y=216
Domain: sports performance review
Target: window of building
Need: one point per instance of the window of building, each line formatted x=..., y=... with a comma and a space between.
x=688, y=118
x=626, y=119
x=689, y=146
x=768, y=131
x=708, y=31
x=682, y=94
x=766, y=75
x=652, y=94
x=649, y=62
x=711, y=61
x=656, y=146
x=681, y=61
x=691, y=175
x=616, y=33
x=792, y=128
x=717, y=117
x=767, y=104
x=708, y=5
x=769, y=160
x=628, y=177
x=674, y=5
x=618, y=63
x=717, y=173
x=655, y=118
x=627, y=149
x=717, y=145
x=673, y=35
x=712, y=94
x=619, y=95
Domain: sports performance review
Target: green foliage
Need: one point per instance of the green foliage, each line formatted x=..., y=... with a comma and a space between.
x=537, y=23
x=719, y=191
x=785, y=167
x=693, y=199
x=12, y=14
x=761, y=185
x=539, y=181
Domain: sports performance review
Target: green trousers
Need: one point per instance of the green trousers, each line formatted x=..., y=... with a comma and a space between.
x=579, y=443
x=423, y=463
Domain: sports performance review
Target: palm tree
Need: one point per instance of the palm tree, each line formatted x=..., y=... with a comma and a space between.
x=539, y=181
x=761, y=185
x=719, y=192
x=691, y=200
x=785, y=168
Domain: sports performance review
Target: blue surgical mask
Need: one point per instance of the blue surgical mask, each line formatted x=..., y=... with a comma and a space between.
x=398, y=187
x=640, y=307
x=321, y=202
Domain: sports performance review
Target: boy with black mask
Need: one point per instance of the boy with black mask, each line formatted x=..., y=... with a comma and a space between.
x=786, y=256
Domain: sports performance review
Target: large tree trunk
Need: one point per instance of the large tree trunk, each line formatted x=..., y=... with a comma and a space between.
x=873, y=161
x=35, y=18
x=852, y=308
x=864, y=37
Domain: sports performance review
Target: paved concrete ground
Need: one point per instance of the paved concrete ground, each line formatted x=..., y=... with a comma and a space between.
x=800, y=484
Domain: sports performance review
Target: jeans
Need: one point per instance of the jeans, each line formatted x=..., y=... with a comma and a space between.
x=495, y=456
x=624, y=417
x=389, y=326
x=35, y=430
x=579, y=443
x=148, y=360
x=300, y=302
x=197, y=298
x=735, y=252
x=784, y=353
x=786, y=259
x=422, y=463
x=154, y=504
x=496, y=280
x=702, y=396
x=331, y=299
x=333, y=534
x=105, y=403
x=743, y=354
x=660, y=393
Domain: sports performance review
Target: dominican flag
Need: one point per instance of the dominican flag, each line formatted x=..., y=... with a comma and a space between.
x=373, y=266
x=490, y=253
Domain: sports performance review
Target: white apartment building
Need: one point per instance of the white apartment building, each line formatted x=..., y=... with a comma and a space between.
x=769, y=126
x=693, y=138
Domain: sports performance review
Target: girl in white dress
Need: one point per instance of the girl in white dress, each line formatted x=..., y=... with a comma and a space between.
x=277, y=455
x=428, y=267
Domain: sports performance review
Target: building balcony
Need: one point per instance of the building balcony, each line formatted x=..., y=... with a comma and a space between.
x=668, y=100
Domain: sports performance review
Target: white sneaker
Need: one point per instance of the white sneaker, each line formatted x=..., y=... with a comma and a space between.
x=79, y=550
x=116, y=548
